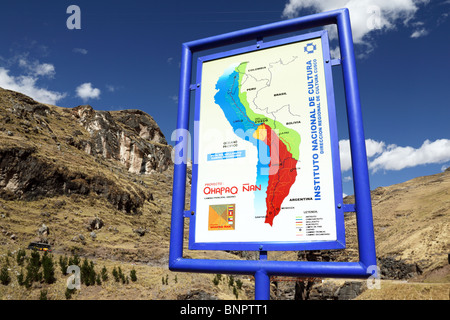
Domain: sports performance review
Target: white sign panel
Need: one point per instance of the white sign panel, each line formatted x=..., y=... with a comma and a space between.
x=265, y=165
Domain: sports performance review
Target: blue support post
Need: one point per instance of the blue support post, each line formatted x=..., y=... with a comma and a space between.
x=180, y=166
x=262, y=285
x=262, y=281
x=357, y=143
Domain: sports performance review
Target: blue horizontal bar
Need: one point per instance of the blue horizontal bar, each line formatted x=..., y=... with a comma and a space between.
x=349, y=207
x=271, y=29
x=335, y=62
x=282, y=268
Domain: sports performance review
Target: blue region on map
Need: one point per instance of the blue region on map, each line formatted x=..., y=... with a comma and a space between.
x=227, y=98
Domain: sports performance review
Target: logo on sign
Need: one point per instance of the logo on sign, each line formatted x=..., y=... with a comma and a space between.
x=310, y=48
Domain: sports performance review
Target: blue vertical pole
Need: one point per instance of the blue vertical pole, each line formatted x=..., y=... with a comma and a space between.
x=262, y=285
x=262, y=281
x=364, y=218
x=181, y=151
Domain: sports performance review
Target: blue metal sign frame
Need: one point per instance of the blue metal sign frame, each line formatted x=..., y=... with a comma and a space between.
x=262, y=269
x=339, y=243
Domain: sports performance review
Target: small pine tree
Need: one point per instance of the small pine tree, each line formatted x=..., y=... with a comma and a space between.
x=48, y=268
x=63, y=264
x=98, y=281
x=35, y=260
x=43, y=295
x=121, y=276
x=32, y=268
x=104, y=274
x=231, y=281
x=116, y=274
x=238, y=284
x=69, y=293
x=21, y=254
x=20, y=279
x=92, y=274
x=87, y=273
x=133, y=275
x=5, y=279
x=75, y=260
x=216, y=280
x=84, y=272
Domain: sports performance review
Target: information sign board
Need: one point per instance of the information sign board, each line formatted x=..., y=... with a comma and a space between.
x=266, y=161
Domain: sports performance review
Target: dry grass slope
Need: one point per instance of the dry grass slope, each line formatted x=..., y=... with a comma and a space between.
x=411, y=220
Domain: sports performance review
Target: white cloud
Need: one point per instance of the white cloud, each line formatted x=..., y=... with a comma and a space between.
x=366, y=15
x=80, y=50
x=174, y=99
x=398, y=158
x=27, y=85
x=344, y=151
x=85, y=91
x=419, y=33
x=393, y=157
x=111, y=88
x=372, y=148
x=34, y=68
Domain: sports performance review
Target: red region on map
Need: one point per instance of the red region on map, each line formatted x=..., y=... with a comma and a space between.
x=282, y=173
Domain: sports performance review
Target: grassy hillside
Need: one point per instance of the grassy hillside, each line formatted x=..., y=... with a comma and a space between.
x=48, y=178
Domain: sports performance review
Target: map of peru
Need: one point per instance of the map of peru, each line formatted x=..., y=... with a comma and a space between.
x=282, y=172
x=251, y=123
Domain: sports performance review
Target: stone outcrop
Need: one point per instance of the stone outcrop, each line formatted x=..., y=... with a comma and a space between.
x=129, y=136
x=27, y=177
x=39, y=156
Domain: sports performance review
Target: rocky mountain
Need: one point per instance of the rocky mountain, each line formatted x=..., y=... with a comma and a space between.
x=93, y=184
x=131, y=137
x=412, y=238
x=98, y=184
x=49, y=151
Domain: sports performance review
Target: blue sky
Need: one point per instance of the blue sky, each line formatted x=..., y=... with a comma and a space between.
x=127, y=55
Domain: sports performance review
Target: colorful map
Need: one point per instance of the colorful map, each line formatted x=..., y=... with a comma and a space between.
x=264, y=146
x=278, y=175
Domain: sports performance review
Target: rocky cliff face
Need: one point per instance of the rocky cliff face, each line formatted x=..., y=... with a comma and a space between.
x=129, y=136
x=47, y=151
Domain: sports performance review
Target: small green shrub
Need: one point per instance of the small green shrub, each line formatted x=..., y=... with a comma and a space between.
x=5, y=279
x=43, y=295
x=21, y=254
x=104, y=274
x=133, y=276
x=48, y=268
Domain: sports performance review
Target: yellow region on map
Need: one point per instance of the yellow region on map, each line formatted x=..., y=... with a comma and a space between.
x=260, y=133
x=222, y=217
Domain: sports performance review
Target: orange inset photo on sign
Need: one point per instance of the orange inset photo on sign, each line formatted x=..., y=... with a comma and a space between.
x=222, y=217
